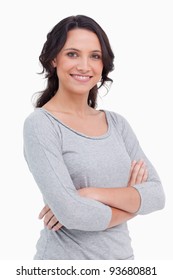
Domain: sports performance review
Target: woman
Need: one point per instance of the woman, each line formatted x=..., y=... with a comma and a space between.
x=88, y=164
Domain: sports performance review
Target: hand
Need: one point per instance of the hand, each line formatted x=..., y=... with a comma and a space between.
x=138, y=173
x=50, y=221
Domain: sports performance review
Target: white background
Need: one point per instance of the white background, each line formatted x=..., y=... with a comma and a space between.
x=140, y=34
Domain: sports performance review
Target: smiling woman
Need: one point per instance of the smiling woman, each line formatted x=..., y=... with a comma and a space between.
x=88, y=163
x=78, y=65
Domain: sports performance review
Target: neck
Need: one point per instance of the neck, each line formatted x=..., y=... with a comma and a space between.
x=73, y=104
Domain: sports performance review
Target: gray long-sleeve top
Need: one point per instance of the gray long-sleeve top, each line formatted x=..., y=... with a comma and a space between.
x=62, y=161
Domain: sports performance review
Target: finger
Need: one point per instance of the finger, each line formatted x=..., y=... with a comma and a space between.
x=133, y=165
x=52, y=222
x=131, y=169
x=57, y=227
x=43, y=211
x=135, y=172
x=145, y=176
x=140, y=174
x=48, y=217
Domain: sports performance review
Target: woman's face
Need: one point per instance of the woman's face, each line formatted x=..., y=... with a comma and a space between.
x=79, y=63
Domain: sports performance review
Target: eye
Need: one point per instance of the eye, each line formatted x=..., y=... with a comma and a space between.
x=72, y=54
x=96, y=56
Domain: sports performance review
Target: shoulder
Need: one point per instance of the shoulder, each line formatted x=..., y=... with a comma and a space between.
x=38, y=122
x=117, y=119
x=116, y=116
x=123, y=127
x=37, y=116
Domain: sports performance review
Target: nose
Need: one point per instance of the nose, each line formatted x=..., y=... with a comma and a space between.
x=83, y=65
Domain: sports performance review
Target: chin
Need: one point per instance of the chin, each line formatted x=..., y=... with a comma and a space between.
x=81, y=90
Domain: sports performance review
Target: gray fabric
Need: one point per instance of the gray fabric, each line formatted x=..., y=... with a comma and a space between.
x=63, y=160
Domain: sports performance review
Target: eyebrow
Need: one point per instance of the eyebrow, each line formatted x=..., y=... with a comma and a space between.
x=74, y=49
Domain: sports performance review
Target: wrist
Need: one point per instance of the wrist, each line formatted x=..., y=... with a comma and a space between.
x=89, y=193
x=83, y=192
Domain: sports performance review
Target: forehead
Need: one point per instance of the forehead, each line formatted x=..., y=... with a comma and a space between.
x=82, y=38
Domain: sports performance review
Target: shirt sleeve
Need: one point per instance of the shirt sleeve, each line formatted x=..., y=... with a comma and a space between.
x=42, y=151
x=151, y=192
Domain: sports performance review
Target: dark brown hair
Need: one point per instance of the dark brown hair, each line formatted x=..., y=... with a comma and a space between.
x=56, y=39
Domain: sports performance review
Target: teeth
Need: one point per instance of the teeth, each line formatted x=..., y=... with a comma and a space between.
x=79, y=77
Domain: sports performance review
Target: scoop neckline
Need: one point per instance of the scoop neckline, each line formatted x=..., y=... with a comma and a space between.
x=105, y=135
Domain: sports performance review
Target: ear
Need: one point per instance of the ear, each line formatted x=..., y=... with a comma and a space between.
x=54, y=62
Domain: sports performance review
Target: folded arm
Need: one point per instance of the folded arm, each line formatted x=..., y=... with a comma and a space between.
x=51, y=222
x=42, y=150
x=138, y=173
x=152, y=196
x=125, y=198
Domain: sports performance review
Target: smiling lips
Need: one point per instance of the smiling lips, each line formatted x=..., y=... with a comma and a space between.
x=81, y=78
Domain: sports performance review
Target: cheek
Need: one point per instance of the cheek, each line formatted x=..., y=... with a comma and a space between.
x=99, y=68
x=98, y=72
x=63, y=68
x=66, y=65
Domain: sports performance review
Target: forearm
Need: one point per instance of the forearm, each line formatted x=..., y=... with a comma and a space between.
x=42, y=151
x=119, y=217
x=126, y=198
